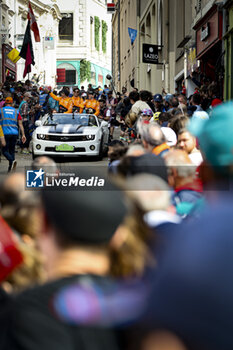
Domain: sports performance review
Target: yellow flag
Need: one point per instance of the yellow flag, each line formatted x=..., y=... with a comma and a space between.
x=13, y=55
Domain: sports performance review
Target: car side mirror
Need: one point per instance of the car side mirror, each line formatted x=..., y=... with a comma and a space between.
x=38, y=123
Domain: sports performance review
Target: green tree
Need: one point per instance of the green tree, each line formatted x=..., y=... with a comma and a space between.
x=104, y=36
x=85, y=70
x=97, y=33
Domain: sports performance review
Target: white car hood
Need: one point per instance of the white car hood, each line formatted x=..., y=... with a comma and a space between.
x=67, y=129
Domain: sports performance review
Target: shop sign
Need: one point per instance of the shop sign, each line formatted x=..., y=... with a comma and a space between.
x=150, y=54
x=49, y=43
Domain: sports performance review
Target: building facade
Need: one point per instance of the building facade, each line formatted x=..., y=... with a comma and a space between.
x=190, y=38
x=84, y=43
x=14, y=19
x=228, y=39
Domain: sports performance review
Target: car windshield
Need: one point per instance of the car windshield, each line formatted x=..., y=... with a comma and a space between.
x=76, y=119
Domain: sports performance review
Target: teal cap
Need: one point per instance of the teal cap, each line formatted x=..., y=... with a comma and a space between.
x=215, y=136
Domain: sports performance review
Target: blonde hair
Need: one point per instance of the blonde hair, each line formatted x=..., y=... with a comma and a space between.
x=131, y=119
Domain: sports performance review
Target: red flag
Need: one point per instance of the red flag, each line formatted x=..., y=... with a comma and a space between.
x=27, y=51
x=33, y=24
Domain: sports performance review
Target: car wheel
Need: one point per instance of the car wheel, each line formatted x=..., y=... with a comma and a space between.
x=33, y=156
x=101, y=153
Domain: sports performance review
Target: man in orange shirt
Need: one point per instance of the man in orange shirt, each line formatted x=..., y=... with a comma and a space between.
x=92, y=104
x=77, y=102
x=65, y=102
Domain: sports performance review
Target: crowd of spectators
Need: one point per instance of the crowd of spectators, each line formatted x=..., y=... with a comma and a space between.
x=144, y=264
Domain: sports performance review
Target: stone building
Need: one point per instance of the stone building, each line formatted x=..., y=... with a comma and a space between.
x=13, y=18
x=84, y=42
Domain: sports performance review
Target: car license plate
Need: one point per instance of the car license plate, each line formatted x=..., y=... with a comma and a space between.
x=64, y=148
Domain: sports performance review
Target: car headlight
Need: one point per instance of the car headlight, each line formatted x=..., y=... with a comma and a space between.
x=42, y=137
x=90, y=137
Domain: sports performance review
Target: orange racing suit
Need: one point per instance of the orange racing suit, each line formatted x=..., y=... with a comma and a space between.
x=64, y=103
x=93, y=104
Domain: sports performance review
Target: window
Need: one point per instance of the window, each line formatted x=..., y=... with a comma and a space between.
x=66, y=27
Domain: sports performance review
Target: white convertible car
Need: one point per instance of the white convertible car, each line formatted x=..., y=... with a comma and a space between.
x=70, y=135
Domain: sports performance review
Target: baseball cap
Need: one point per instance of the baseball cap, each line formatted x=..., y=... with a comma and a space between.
x=9, y=100
x=158, y=98
x=170, y=136
x=167, y=97
x=86, y=216
x=216, y=102
x=147, y=111
x=27, y=94
x=200, y=115
x=215, y=135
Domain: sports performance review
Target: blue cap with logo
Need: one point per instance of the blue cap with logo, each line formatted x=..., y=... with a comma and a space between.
x=158, y=98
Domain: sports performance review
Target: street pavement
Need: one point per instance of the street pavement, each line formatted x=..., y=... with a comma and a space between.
x=64, y=164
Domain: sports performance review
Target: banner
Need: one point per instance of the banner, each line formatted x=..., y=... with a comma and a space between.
x=132, y=34
x=13, y=55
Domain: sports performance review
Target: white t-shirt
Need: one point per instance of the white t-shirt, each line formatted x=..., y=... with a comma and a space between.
x=196, y=158
x=138, y=107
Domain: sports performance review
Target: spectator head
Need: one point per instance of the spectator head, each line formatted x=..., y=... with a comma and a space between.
x=145, y=95
x=182, y=99
x=215, y=138
x=151, y=192
x=146, y=114
x=147, y=163
x=135, y=150
x=167, y=99
x=76, y=90
x=116, y=150
x=131, y=119
x=27, y=96
x=179, y=167
x=8, y=101
x=174, y=102
x=196, y=99
x=90, y=93
x=151, y=135
x=48, y=165
x=124, y=90
x=62, y=211
x=164, y=117
x=186, y=141
x=64, y=93
x=170, y=136
x=82, y=87
x=158, y=98
x=134, y=97
x=109, y=94
x=178, y=122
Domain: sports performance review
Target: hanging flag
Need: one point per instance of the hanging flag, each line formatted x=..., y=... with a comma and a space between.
x=13, y=55
x=132, y=34
x=27, y=51
x=33, y=24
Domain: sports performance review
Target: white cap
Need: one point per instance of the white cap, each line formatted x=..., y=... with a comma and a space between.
x=170, y=136
x=200, y=115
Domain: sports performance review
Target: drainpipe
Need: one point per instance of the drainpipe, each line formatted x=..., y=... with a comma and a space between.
x=167, y=83
x=138, y=45
x=119, y=42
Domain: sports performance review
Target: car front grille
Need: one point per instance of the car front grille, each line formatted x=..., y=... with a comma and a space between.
x=66, y=138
